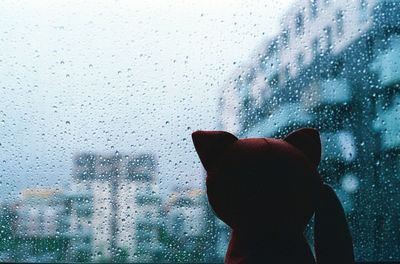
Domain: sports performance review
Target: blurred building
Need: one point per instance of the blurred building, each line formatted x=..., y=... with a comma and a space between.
x=334, y=66
x=148, y=224
x=7, y=234
x=39, y=225
x=40, y=213
x=113, y=202
x=197, y=235
x=186, y=212
x=189, y=225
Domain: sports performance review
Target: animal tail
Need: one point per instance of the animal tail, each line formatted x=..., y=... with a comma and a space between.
x=332, y=238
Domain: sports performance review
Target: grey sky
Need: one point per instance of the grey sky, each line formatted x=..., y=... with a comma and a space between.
x=117, y=75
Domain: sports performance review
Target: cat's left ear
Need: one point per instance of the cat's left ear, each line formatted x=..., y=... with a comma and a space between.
x=210, y=145
x=308, y=141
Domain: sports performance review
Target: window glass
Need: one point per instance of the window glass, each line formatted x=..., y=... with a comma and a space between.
x=99, y=99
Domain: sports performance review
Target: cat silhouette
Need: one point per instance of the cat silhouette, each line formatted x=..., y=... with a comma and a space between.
x=267, y=190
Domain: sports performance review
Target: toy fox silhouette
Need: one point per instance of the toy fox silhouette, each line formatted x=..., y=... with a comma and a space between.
x=267, y=190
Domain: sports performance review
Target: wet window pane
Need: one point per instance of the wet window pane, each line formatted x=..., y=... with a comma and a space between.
x=99, y=100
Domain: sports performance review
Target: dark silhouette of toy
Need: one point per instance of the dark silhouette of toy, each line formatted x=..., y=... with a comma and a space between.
x=267, y=190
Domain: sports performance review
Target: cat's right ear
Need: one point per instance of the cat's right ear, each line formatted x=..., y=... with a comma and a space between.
x=210, y=145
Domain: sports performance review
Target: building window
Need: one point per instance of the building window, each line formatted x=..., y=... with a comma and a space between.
x=287, y=72
x=273, y=82
x=300, y=24
x=313, y=8
x=328, y=38
x=315, y=48
x=340, y=22
x=285, y=38
x=336, y=67
x=300, y=60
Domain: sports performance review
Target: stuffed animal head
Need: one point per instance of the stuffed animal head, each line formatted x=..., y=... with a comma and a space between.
x=261, y=183
x=265, y=187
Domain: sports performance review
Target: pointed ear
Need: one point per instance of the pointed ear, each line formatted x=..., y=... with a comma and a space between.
x=306, y=140
x=210, y=144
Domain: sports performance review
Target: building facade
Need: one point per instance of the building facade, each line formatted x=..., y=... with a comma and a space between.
x=112, y=197
x=189, y=227
x=36, y=226
x=334, y=66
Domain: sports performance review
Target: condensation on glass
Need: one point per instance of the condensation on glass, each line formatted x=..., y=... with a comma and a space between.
x=332, y=65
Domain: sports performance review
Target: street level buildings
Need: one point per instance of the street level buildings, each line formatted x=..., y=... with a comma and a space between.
x=35, y=227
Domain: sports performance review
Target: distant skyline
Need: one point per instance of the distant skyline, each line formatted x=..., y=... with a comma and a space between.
x=127, y=76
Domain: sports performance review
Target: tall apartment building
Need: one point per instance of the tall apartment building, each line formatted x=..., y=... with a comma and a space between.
x=113, y=202
x=334, y=66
